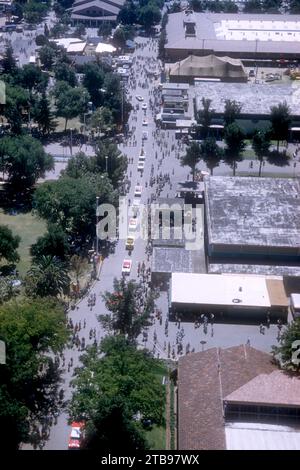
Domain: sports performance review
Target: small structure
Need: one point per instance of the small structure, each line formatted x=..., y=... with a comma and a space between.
x=103, y=48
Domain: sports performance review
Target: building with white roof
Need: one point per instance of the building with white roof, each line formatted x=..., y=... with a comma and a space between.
x=245, y=36
x=228, y=295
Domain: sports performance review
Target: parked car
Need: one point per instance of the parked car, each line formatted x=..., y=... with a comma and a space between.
x=139, y=98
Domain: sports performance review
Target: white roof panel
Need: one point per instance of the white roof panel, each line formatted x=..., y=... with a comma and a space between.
x=258, y=436
x=216, y=289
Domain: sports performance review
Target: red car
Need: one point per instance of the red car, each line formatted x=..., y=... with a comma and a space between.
x=75, y=435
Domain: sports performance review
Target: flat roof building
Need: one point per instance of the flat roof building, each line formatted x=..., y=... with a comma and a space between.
x=228, y=295
x=236, y=399
x=252, y=218
x=245, y=36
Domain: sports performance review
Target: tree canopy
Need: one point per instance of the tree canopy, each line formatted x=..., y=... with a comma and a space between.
x=235, y=144
x=70, y=102
x=31, y=330
x=192, y=157
x=24, y=160
x=71, y=204
x=128, y=316
x=280, y=121
x=287, y=352
x=9, y=244
x=116, y=383
x=47, y=277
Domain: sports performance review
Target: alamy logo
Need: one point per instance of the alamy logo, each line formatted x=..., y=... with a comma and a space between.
x=152, y=222
x=296, y=354
x=2, y=93
x=2, y=353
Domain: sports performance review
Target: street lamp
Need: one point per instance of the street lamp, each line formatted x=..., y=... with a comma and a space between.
x=106, y=160
x=97, y=203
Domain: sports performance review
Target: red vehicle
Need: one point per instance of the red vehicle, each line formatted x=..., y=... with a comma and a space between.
x=75, y=435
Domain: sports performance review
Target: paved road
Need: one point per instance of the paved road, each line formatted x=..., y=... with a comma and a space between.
x=163, y=145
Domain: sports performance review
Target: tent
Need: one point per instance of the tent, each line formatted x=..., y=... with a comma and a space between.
x=210, y=66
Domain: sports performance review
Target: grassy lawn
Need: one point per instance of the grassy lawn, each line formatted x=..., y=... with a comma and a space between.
x=157, y=436
x=29, y=228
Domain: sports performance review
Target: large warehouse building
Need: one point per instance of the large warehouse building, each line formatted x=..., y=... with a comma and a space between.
x=245, y=36
x=256, y=219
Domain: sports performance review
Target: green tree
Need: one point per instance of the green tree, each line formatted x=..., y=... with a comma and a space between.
x=211, y=153
x=33, y=330
x=48, y=55
x=192, y=157
x=204, y=116
x=9, y=244
x=32, y=78
x=53, y=243
x=215, y=6
x=25, y=160
x=127, y=317
x=65, y=73
x=271, y=6
x=17, y=101
x=9, y=65
x=280, y=121
x=102, y=120
x=111, y=418
x=34, y=11
x=149, y=15
x=295, y=7
x=80, y=31
x=122, y=34
x=71, y=204
x=228, y=6
x=70, y=102
x=43, y=115
x=116, y=162
x=288, y=345
x=47, y=277
x=94, y=81
x=232, y=111
x=261, y=142
x=41, y=39
x=235, y=144
x=176, y=7
x=105, y=29
x=253, y=6
x=127, y=14
x=117, y=376
x=196, y=5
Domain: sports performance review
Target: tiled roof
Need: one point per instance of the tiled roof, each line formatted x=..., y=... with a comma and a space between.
x=204, y=379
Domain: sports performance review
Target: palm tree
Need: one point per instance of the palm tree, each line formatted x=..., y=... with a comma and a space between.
x=192, y=157
x=211, y=153
x=48, y=277
x=78, y=266
x=260, y=144
x=280, y=120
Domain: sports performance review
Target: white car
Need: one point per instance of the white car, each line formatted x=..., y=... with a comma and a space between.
x=144, y=106
x=126, y=266
x=142, y=158
x=132, y=224
x=139, y=98
x=138, y=191
x=141, y=166
x=145, y=122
